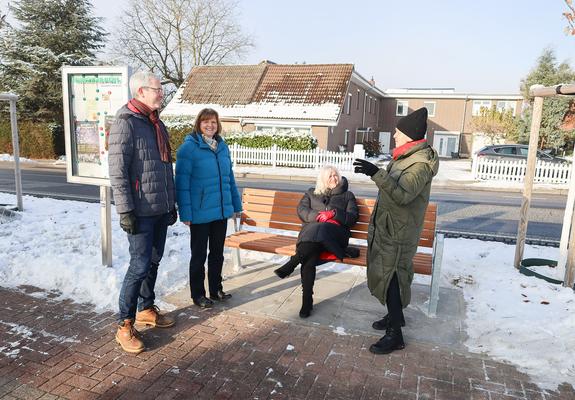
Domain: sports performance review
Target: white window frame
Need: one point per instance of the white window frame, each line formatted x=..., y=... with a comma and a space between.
x=426, y=104
x=507, y=105
x=405, y=105
x=478, y=105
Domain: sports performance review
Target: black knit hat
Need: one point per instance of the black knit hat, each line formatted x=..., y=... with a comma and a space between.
x=414, y=125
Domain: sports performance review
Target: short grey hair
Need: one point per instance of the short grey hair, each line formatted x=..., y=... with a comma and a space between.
x=322, y=177
x=139, y=79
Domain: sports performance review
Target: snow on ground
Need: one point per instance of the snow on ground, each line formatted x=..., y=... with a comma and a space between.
x=9, y=157
x=55, y=245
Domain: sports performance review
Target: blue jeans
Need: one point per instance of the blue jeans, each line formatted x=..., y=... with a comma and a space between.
x=146, y=250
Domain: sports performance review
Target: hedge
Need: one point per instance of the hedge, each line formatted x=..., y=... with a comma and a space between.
x=289, y=141
x=179, y=127
x=36, y=139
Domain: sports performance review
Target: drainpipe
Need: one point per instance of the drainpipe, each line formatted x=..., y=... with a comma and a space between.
x=463, y=125
x=363, y=118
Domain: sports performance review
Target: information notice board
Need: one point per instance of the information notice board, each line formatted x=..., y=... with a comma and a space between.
x=92, y=96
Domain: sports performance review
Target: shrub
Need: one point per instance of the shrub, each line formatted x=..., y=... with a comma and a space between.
x=178, y=128
x=372, y=148
x=36, y=139
x=263, y=139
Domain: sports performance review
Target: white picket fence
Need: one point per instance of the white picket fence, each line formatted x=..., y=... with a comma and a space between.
x=278, y=157
x=487, y=168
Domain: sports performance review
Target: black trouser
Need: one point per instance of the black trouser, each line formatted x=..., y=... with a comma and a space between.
x=308, y=253
x=393, y=302
x=200, y=234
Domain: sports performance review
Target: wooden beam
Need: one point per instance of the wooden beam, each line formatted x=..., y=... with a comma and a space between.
x=548, y=91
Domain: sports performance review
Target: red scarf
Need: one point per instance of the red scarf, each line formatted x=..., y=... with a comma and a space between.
x=161, y=135
x=398, y=151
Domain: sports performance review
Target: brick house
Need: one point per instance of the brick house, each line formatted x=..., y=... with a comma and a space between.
x=449, y=127
x=331, y=101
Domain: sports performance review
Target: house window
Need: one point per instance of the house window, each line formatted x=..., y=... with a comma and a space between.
x=430, y=105
x=478, y=105
x=369, y=106
x=346, y=136
x=348, y=104
x=503, y=106
x=401, y=109
x=357, y=104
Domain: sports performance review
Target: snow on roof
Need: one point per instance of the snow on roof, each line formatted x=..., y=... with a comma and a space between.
x=271, y=91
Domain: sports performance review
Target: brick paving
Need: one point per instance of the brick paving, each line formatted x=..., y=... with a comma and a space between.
x=53, y=349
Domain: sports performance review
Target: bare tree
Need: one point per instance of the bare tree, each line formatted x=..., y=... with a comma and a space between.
x=570, y=17
x=171, y=36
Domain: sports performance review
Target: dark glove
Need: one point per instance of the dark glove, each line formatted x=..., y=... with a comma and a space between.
x=365, y=167
x=128, y=222
x=173, y=217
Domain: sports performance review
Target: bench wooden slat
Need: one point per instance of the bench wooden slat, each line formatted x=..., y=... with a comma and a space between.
x=285, y=245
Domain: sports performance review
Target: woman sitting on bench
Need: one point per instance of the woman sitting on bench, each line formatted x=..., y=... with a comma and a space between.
x=327, y=212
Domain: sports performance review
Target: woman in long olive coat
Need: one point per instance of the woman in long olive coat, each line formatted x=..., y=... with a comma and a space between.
x=397, y=222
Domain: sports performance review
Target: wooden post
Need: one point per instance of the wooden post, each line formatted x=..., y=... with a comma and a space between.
x=567, y=224
x=528, y=182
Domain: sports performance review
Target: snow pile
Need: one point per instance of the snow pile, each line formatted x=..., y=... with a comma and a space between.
x=10, y=158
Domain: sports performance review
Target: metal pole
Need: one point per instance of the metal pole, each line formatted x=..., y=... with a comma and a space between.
x=106, y=225
x=16, y=148
x=529, y=176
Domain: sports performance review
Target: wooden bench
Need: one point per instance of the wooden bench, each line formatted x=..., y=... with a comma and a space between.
x=278, y=210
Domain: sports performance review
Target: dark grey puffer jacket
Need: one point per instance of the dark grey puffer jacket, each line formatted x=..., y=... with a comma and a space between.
x=140, y=180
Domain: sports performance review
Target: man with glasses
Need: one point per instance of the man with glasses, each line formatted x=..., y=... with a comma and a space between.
x=141, y=175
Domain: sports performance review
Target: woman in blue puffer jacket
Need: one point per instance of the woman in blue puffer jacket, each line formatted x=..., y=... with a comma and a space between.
x=207, y=196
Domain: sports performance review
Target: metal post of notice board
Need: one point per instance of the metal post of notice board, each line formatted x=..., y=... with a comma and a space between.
x=106, y=224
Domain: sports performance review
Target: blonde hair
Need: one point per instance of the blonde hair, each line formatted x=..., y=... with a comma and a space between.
x=322, y=178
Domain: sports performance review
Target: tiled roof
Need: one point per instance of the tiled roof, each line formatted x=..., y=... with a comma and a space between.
x=266, y=90
x=225, y=85
x=304, y=84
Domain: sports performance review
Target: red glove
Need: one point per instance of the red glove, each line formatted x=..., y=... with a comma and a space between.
x=323, y=216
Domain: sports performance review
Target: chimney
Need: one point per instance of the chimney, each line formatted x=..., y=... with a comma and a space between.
x=372, y=81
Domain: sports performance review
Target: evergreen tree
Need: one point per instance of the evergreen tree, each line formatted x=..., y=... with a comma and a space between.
x=47, y=35
x=549, y=72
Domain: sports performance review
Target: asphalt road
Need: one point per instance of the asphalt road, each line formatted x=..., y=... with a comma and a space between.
x=460, y=210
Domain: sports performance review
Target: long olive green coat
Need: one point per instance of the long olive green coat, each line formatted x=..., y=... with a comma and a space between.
x=397, y=220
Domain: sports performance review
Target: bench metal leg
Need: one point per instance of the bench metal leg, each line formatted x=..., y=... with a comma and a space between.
x=435, y=273
x=237, y=260
x=236, y=252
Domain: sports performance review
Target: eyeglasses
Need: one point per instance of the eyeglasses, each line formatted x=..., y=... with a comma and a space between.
x=155, y=89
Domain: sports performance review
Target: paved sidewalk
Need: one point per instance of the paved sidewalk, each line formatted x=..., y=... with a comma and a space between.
x=56, y=349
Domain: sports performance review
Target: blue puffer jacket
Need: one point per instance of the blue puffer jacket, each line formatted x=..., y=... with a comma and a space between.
x=205, y=186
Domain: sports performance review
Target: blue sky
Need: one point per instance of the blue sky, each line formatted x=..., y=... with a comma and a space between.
x=475, y=46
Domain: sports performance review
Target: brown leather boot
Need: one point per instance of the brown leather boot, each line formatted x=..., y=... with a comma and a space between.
x=152, y=317
x=129, y=338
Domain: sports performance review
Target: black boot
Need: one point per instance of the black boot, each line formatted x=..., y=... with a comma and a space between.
x=306, y=305
x=384, y=323
x=286, y=269
x=393, y=340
